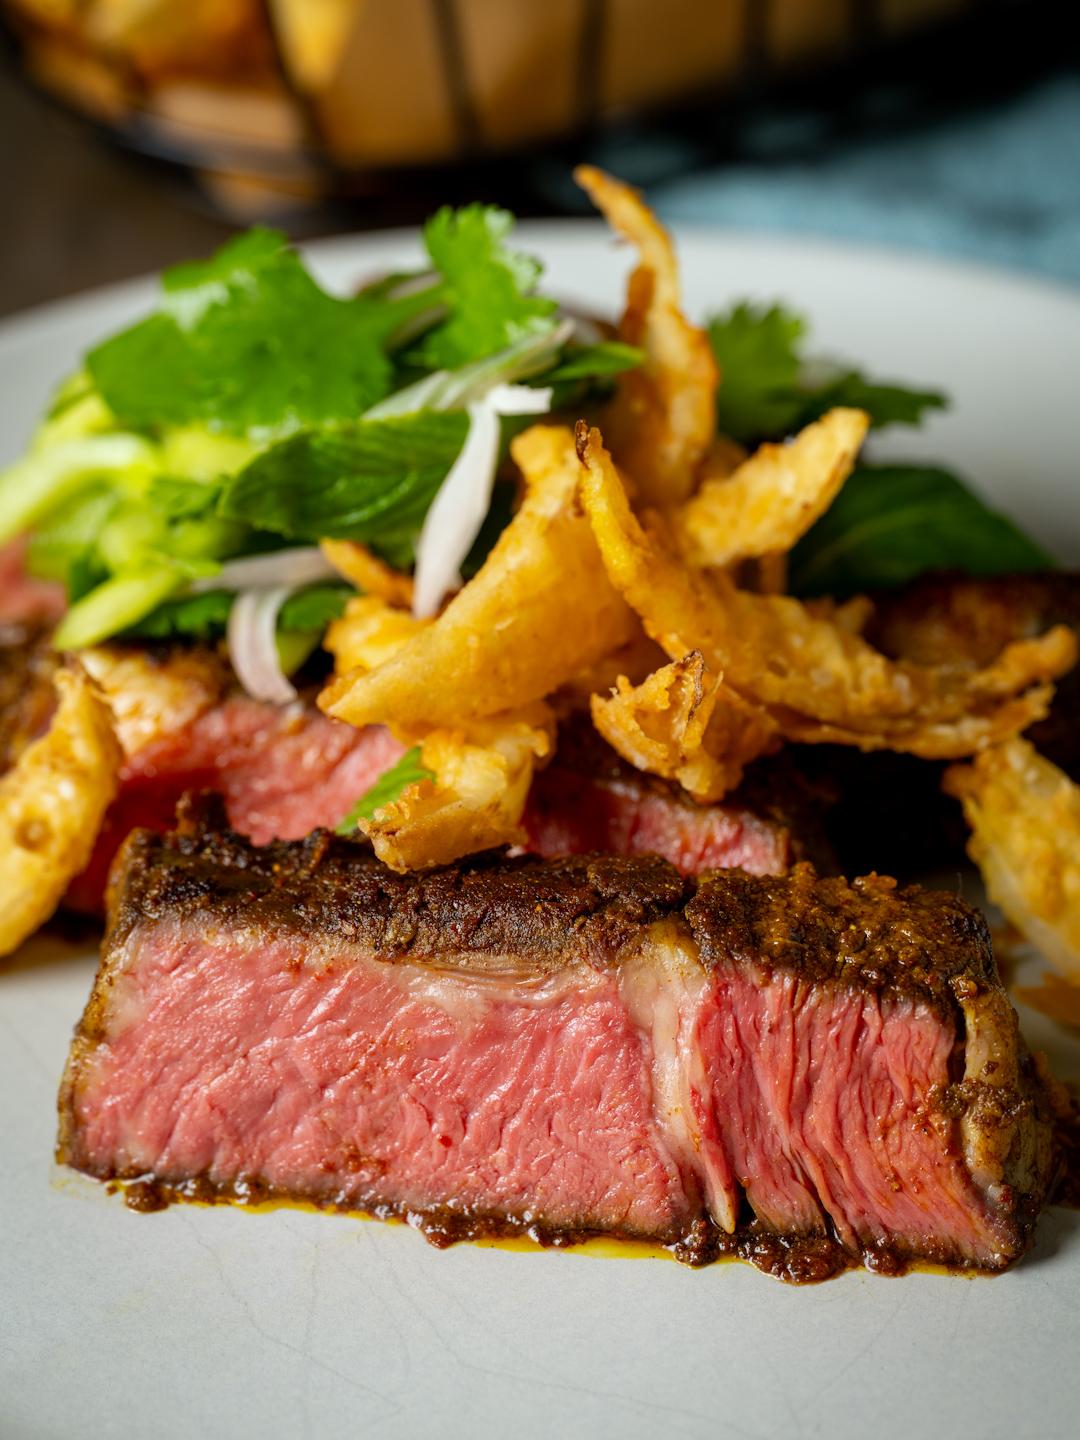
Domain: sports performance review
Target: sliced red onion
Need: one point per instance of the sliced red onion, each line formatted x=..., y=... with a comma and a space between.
x=252, y=641
x=302, y=565
x=455, y=515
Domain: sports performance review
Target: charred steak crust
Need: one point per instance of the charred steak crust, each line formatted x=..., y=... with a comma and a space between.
x=899, y=956
x=868, y=933
x=545, y=913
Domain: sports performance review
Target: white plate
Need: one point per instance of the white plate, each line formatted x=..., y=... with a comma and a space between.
x=220, y=1323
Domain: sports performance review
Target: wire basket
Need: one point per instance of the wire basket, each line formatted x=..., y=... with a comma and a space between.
x=307, y=96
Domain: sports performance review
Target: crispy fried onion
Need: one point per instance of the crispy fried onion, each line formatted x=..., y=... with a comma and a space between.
x=774, y=497
x=152, y=695
x=1024, y=815
x=684, y=724
x=369, y=632
x=482, y=768
x=51, y=806
x=363, y=568
x=482, y=778
x=540, y=610
x=662, y=420
x=818, y=679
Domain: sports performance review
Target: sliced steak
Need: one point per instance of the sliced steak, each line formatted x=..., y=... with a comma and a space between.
x=285, y=772
x=590, y=799
x=281, y=772
x=801, y=1070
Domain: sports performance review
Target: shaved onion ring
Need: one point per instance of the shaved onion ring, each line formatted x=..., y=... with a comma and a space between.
x=455, y=515
x=252, y=641
x=302, y=565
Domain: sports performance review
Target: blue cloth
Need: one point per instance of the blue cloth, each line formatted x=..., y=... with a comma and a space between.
x=1001, y=185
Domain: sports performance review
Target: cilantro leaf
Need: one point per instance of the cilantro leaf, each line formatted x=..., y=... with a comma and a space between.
x=891, y=523
x=371, y=481
x=387, y=789
x=767, y=390
x=246, y=342
x=487, y=287
x=758, y=353
x=885, y=404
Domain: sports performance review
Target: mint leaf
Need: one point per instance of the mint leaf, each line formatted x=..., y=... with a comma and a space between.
x=371, y=481
x=389, y=786
x=891, y=523
x=248, y=343
x=486, y=285
x=177, y=498
x=767, y=390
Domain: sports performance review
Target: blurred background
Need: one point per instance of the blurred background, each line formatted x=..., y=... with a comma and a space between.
x=134, y=133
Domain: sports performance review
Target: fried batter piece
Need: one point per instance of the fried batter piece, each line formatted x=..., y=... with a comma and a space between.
x=52, y=803
x=1024, y=815
x=662, y=421
x=683, y=724
x=819, y=679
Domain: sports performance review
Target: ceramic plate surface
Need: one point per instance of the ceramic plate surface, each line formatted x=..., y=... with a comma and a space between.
x=214, y=1322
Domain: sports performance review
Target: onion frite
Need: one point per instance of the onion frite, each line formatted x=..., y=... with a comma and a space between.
x=683, y=724
x=662, y=420
x=765, y=505
x=539, y=610
x=52, y=803
x=475, y=801
x=363, y=568
x=1024, y=815
x=818, y=679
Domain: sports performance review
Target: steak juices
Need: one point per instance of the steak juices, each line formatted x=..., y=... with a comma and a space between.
x=808, y=1071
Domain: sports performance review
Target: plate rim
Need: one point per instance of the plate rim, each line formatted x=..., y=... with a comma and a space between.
x=336, y=248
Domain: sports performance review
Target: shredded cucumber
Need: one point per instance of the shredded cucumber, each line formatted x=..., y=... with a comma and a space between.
x=118, y=602
x=31, y=487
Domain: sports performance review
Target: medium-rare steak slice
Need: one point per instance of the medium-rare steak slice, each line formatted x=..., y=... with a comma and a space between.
x=589, y=798
x=282, y=772
x=802, y=1070
x=286, y=772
